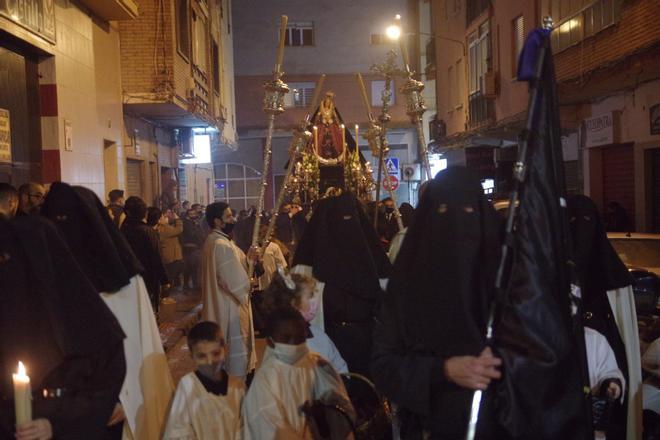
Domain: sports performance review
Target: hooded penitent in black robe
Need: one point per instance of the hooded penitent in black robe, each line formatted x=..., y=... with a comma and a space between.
x=97, y=244
x=343, y=250
x=436, y=305
x=599, y=269
x=52, y=319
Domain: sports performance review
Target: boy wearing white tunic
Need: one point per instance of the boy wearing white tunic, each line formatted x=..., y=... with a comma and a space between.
x=289, y=377
x=226, y=290
x=207, y=402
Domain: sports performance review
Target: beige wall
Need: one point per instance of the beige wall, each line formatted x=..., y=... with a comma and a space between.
x=88, y=97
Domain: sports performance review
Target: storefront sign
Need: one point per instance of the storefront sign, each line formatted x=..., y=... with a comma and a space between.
x=654, y=114
x=35, y=15
x=5, y=137
x=599, y=130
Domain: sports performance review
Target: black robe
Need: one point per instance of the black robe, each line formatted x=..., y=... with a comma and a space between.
x=599, y=269
x=145, y=243
x=98, y=246
x=342, y=248
x=52, y=319
x=436, y=306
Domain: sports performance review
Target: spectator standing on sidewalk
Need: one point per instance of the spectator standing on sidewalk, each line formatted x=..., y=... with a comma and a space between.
x=146, y=245
x=170, y=228
x=192, y=241
x=116, y=206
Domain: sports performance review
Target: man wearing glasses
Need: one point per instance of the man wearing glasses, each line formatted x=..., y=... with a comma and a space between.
x=31, y=197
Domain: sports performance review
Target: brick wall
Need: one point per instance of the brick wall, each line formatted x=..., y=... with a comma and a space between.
x=637, y=28
x=141, y=70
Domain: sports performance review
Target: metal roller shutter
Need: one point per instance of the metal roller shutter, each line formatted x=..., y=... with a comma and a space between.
x=619, y=178
x=134, y=178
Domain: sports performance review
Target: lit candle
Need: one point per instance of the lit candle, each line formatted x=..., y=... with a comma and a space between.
x=22, y=395
x=343, y=137
x=316, y=139
x=357, y=135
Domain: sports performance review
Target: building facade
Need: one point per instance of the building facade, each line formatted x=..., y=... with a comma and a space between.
x=178, y=97
x=606, y=54
x=336, y=38
x=60, y=94
x=98, y=93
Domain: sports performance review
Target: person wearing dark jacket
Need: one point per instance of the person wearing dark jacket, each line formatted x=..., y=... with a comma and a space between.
x=53, y=320
x=342, y=250
x=429, y=349
x=146, y=245
x=192, y=241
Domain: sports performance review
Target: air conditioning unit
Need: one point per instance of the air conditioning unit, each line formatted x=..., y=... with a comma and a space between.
x=411, y=172
x=490, y=84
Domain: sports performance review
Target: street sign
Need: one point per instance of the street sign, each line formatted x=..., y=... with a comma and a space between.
x=390, y=183
x=392, y=166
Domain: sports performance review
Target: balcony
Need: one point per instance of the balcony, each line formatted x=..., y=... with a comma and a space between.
x=113, y=9
x=480, y=110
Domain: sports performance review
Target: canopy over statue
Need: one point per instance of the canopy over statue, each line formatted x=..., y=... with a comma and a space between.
x=330, y=160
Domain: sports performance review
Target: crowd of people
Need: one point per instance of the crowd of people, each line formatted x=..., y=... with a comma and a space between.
x=332, y=295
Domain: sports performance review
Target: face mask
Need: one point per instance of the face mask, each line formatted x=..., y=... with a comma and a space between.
x=290, y=354
x=227, y=228
x=310, y=313
x=389, y=210
x=212, y=371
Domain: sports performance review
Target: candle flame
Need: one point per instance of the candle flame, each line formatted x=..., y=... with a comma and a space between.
x=21, y=369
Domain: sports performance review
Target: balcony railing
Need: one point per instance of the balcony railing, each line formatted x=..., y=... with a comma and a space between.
x=480, y=110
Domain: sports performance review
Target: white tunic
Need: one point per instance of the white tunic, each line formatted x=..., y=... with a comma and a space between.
x=601, y=361
x=321, y=343
x=197, y=414
x=148, y=385
x=271, y=409
x=226, y=300
x=273, y=257
x=622, y=303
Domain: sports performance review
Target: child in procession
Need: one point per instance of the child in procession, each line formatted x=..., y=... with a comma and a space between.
x=207, y=401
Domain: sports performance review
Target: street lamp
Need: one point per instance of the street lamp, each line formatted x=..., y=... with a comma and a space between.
x=394, y=33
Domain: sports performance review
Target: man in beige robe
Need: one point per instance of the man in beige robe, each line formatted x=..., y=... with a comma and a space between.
x=226, y=290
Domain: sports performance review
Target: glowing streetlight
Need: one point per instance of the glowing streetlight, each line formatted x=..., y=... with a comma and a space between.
x=393, y=32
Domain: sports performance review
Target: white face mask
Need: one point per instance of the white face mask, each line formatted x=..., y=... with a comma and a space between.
x=290, y=354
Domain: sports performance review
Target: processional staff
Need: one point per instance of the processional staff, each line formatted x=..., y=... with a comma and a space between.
x=377, y=136
x=273, y=106
x=301, y=137
x=519, y=178
x=415, y=106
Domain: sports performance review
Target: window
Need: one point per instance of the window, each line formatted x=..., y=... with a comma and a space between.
x=300, y=94
x=377, y=88
x=518, y=29
x=480, y=108
x=576, y=20
x=200, y=43
x=237, y=185
x=299, y=34
x=479, y=57
x=460, y=82
x=183, y=27
x=216, y=67
x=378, y=39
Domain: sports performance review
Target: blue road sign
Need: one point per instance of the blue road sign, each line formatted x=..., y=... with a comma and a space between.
x=392, y=166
